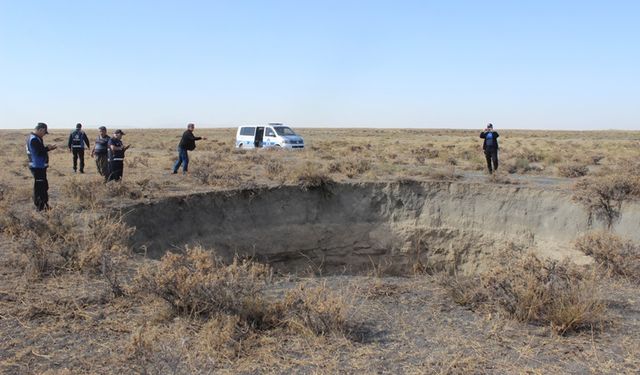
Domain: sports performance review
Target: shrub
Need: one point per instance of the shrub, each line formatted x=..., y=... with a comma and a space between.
x=274, y=168
x=356, y=167
x=314, y=310
x=521, y=165
x=426, y=152
x=350, y=167
x=573, y=170
x=214, y=173
x=199, y=284
x=82, y=190
x=603, y=196
x=55, y=241
x=620, y=257
x=310, y=176
x=595, y=159
x=535, y=291
x=124, y=189
x=133, y=162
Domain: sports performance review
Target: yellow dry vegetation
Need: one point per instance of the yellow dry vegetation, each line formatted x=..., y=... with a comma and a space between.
x=74, y=298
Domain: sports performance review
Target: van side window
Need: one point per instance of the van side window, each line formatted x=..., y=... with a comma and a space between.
x=270, y=132
x=247, y=130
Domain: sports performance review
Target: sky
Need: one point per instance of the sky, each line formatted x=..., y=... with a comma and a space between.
x=393, y=64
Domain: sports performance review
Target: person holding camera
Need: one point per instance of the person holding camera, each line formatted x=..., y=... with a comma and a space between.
x=116, y=156
x=187, y=143
x=490, y=147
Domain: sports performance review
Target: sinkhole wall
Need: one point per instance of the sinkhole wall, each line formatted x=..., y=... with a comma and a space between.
x=354, y=227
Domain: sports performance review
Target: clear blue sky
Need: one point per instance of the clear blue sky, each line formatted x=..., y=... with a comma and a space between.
x=433, y=64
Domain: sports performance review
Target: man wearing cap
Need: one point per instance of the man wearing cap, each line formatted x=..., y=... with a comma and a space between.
x=187, y=143
x=77, y=140
x=100, y=152
x=38, y=155
x=116, y=156
x=490, y=147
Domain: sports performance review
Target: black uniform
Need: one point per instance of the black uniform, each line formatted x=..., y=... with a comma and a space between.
x=490, y=147
x=116, y=160
x=77, y=140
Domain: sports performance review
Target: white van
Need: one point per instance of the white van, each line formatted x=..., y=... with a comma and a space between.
x=272, y=135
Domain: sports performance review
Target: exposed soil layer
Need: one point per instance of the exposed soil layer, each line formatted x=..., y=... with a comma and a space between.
x=386, y=227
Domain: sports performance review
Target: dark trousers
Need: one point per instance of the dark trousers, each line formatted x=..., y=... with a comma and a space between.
x=40, y=188
x=115, y=170
x=492, y=156
x=78, y=153
x=183, y=158
x=102, y=163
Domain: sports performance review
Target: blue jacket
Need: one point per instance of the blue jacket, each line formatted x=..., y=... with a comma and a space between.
x=77, y=139
x=37, y=152
x=490, y=140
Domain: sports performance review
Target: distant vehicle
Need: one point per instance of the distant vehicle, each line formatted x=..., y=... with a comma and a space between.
x=274, y=134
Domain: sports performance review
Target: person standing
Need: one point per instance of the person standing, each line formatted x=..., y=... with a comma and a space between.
x=100, y=152
x=116, y=156
x=38, y=155
x=490, y=147
x=187, y=143
x=77, y=140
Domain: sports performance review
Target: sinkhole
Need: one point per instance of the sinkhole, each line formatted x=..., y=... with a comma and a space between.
x=353, y=228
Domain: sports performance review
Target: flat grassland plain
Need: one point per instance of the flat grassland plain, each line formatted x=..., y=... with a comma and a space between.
x=370, y=251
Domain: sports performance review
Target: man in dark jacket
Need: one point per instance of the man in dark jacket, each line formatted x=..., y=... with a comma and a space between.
x=187, y=143
x=77, y=140
x=38, y=155
x=116, y=156
x=490, y=147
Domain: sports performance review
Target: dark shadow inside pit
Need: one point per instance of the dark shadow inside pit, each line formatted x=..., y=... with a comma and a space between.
x=390, y=228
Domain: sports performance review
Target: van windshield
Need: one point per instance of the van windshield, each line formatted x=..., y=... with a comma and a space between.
x=283, y=130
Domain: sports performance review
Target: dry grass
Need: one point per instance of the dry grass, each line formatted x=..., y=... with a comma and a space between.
x=341, y=154
x=57, y=239
x=198, y=284
x=618, y=256
x=573, y=170
x=314, y=310
x=535, y=291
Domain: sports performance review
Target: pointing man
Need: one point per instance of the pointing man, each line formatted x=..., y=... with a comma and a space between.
x=187, y=143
